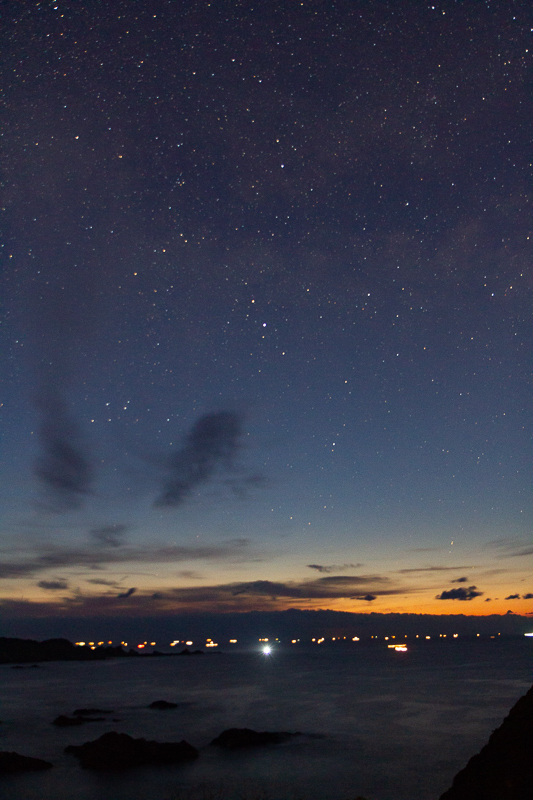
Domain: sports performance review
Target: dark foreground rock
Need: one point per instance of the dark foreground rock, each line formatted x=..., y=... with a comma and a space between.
x=503, y=769
x=119, y=751
x=14, y=762
x=163, y=705
x=234, y=738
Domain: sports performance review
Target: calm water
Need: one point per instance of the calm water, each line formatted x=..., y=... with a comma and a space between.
x=385, y=725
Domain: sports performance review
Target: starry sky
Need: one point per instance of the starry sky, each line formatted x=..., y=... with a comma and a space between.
x=266, y=307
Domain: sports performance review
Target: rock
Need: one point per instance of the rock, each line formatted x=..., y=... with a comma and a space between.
x=187, y=652
x=84, y=712
x=162, y=704
x=20, y=651
x=503, y=769
x=234, y=738
x=119, y=751
x=14, y=762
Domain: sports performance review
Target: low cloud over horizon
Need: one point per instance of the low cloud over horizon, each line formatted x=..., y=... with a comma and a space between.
x=459, y=594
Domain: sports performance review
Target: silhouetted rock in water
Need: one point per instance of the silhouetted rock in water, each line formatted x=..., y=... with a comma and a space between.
x=162, y=704
x=118, y=751
x=187, y=652
x=26, y=666
x=21, y=651
x=503, y=768
x=244, y=737
x=14, y=762
x=84, y=712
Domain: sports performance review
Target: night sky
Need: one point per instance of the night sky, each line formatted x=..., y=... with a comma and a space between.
x=266, y=307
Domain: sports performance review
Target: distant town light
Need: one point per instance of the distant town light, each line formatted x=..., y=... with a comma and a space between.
x=233, y=641
x=355, y=639
x=82, y=644
x=189, y=643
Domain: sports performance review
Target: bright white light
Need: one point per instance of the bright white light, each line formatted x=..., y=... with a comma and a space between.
x=267, y=650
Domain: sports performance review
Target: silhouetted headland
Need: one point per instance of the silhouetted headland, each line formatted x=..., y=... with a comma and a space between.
x=23, y=651
x=503, y=768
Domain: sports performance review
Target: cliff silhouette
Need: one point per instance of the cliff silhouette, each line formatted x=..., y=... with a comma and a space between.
x=503, y=768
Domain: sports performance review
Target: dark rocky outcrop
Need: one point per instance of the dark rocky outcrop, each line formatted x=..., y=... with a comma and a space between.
x=163, y=705
x=234, y=738
x=22, y=651
x=14, y=762
x=503, y=769
x=119, y=751
x=187, y=652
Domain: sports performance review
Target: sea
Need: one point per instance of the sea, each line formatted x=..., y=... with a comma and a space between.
x=374, y=722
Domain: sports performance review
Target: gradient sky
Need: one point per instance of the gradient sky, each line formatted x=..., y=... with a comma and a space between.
x=266, y=307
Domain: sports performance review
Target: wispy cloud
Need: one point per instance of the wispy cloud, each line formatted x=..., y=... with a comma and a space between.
x=511, y=548
x=435, y=569
x=211, y=443
x=98, y=558
x=53, y=585
x=239, y=596
x=127, y=593
x=63, y=466
x=109, y=535
x=333, y=567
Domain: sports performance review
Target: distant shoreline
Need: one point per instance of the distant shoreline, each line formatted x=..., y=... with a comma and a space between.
x=26, y=651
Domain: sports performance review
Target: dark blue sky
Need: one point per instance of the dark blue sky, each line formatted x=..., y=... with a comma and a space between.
x=266, y=321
